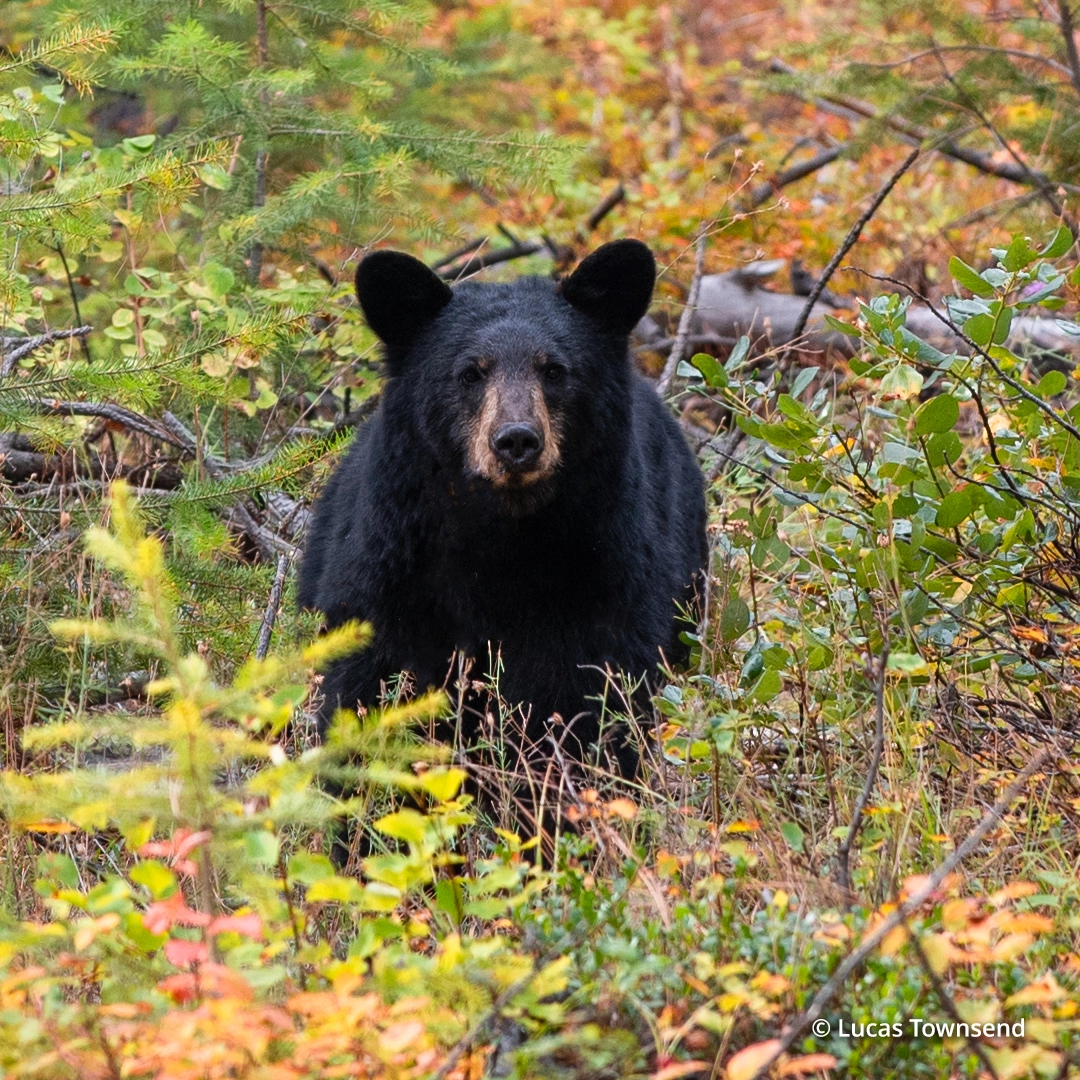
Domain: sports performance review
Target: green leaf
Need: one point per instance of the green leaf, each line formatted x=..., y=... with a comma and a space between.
x=139, y=144
x=408, y=825
x=901, y=382
x=803, y=380
x=219, y=279
x=710, y=367
x=907, y=663
x=214, y=176
x=953, y=509
x=734, y=619
x=938, y=414
x=155, y=877
x=767, y=687
x=968, y=276
x=262, y=847
x=1052, y=384
x=308, y=867
x=842, y=327
x=442, y=784
x=1058, y=244
x=793, y=836
x=738, y=353
x=979, y=328
x=1018, y=255
x=335, y=889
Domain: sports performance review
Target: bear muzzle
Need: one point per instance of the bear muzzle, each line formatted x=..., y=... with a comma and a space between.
x=518, y=446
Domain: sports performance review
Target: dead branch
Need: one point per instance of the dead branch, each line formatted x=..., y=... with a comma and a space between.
x=768, y=188
x=14, y=349
x=1068, y=34
x=604, y=207
x=479, y=262
x=849, y=240
x=876, y=668
x=663, y=384
x=459, y=253
x=901, y=914
x=117, y=414
x=916, y=133
x=272, y=607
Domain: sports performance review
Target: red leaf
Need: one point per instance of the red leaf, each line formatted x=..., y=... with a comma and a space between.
x=182, y=953
x=249, y=925
x=164, y=914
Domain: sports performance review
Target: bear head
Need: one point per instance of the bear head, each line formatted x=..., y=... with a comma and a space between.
x=508, y=384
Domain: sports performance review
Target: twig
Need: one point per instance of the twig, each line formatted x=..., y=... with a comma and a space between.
x=274, y=603
x=876, y=667
x=915, y=133
x=849, y=241
x=663, y=384
x=461, y=252
x=74, y=299
x=947, y=1002
x=1068, y=32
x=789, y=176
x=13, y=352
x=900, y=914
x=604, y=207
x=479, y=262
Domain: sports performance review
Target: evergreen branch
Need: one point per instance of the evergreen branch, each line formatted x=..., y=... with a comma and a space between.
x=76, y=39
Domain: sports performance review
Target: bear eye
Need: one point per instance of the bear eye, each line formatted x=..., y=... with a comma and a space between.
x=471, y=375
x=554, y=373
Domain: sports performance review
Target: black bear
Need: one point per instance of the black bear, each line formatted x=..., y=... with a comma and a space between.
x=520, y=492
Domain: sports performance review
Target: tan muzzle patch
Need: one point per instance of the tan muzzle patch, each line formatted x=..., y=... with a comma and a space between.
x=506, y=401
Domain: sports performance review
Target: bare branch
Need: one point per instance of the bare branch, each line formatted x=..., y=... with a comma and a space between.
x=850, y=239
x=766, y=190
x=875, y=668
x=1068, y=33
x=479, y=262
x=663, y=384
x=272, y=607
x=115, y=413
x=14, y=349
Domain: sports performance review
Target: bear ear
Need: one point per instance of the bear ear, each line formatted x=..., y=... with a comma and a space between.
x=399, y=296
x=613, y=285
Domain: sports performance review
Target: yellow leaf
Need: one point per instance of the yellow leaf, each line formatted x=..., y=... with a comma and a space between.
x=1040, y=992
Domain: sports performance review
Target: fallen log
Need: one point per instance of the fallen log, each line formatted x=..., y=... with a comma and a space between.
x=732, y=304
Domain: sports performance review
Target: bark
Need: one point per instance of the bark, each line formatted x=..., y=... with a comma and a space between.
x=730, y=305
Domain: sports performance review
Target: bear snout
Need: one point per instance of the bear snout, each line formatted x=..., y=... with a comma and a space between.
x=518, y=446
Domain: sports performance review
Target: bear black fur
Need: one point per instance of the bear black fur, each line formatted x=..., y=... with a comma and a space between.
x=520, y=490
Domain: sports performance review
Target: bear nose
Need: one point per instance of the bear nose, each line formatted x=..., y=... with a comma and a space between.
x=518, y=446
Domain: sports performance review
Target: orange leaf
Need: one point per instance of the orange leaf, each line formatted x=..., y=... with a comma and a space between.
x=622, y=808
x=398, y=1036
x=678, y=1069
x=746, y=1063
x=808, y=1063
